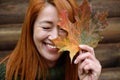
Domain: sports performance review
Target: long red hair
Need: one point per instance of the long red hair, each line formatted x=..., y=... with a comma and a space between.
x=25, y=59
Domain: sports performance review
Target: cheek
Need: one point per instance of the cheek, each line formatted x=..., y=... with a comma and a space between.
x=39, y=35
x=37, y=38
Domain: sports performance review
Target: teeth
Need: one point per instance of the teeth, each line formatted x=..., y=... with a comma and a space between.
x=51, y=46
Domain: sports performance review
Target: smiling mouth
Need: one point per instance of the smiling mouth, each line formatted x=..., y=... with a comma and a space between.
x=51, y=47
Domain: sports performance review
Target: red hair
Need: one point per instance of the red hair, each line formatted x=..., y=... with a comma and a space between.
x=25, y=59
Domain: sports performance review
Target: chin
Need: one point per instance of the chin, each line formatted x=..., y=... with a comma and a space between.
x=54, y=57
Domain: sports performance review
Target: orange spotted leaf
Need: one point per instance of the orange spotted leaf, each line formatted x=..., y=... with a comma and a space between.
x=86, y=29
x=69, y=43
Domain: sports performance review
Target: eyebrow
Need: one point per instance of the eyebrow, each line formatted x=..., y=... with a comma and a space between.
x=46, y=21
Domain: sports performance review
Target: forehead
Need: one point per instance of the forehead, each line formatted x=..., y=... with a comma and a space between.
x=48, y=12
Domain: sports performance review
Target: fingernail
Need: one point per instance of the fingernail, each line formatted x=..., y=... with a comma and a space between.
x=81, y=45
x=75, y=62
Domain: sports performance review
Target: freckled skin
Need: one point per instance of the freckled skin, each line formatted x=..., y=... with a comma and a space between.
x=46, y=29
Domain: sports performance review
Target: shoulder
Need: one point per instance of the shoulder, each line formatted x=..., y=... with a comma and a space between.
x=2, y=71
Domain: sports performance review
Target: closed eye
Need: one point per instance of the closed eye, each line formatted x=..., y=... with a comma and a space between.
x=46, y=28
x=46, y=24
x=63, y=33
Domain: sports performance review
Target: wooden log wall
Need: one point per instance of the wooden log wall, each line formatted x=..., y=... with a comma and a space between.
x=12, y=14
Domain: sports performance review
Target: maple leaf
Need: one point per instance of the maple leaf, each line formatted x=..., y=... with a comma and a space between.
x=70, y=42
x=86, y=29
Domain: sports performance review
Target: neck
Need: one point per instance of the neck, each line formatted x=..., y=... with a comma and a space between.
x=51, y=63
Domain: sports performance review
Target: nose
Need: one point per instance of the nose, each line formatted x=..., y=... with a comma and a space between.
x=53, y=33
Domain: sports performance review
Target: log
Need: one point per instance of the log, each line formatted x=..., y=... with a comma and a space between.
x=112, y=32
x=12, y=13
x=3, y=54
x=110, y=74
x=15, y=12
x=15, y=1
x=106, y=74
x=112, y=6
x=108, y=54
x=9, y=34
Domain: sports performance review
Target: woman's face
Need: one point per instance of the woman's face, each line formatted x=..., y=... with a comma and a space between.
x=46, y=29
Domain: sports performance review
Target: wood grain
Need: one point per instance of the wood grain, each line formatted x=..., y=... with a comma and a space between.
x=9, y=34
x=110, y=74
x=15, y=12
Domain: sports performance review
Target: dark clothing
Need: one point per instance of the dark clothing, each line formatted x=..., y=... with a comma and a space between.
x=55, y=73
x=2, y=71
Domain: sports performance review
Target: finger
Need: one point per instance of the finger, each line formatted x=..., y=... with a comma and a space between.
x=81, y=57
x=81, y=67
x=87, y=48
x=85, y=67
x=92, y=66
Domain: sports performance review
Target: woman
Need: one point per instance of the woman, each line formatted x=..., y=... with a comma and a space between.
x=35, y=56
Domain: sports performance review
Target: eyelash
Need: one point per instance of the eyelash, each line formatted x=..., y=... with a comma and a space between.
x=60, y=29
x=46, y=28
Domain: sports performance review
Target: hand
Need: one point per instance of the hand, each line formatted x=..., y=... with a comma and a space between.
x=89, y=67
